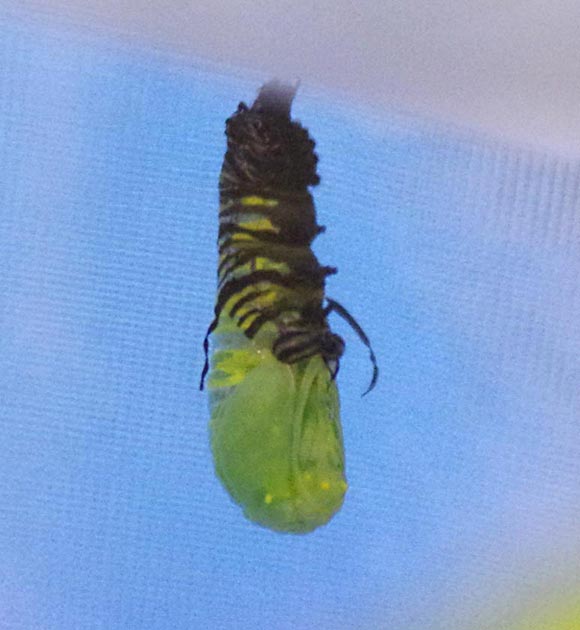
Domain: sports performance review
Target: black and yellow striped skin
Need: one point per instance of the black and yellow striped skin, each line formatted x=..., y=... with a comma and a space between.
x=267, y=271
x=275, y=427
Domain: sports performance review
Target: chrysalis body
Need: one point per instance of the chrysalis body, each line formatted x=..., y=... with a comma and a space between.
x=275, y=428
x=275, y=434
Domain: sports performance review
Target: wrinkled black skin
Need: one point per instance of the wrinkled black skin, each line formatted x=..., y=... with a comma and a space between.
x=270, y=155
x=267, y=151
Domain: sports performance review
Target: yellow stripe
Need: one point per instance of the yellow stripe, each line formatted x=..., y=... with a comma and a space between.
x=255, y=200
x=258, y=224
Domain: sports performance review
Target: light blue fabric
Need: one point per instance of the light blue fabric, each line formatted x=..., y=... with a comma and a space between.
x=459, y=256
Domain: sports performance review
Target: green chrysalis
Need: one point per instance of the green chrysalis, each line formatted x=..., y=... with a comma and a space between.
x=275, y=434
x=275, y=427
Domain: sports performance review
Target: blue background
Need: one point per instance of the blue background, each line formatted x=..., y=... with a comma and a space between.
x=458, y=254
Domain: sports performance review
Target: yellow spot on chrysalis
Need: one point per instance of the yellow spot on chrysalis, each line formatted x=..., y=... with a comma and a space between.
x=268, y=498
x=344, y=485
x=255, y=200
x=230, y=367
x=325, y=485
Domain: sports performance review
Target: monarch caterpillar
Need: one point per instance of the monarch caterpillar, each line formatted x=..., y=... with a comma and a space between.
x=275, y=428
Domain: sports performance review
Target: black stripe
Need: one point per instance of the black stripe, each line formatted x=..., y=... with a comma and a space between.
x=299, y=351
x=244, y=318
x=262, y=319
x=288, y=281
x=252, y=295
x=291, y=340
x=306, y=354
x=226, y=260
x=288, y=336
x=239, y=259
x=229, y=243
